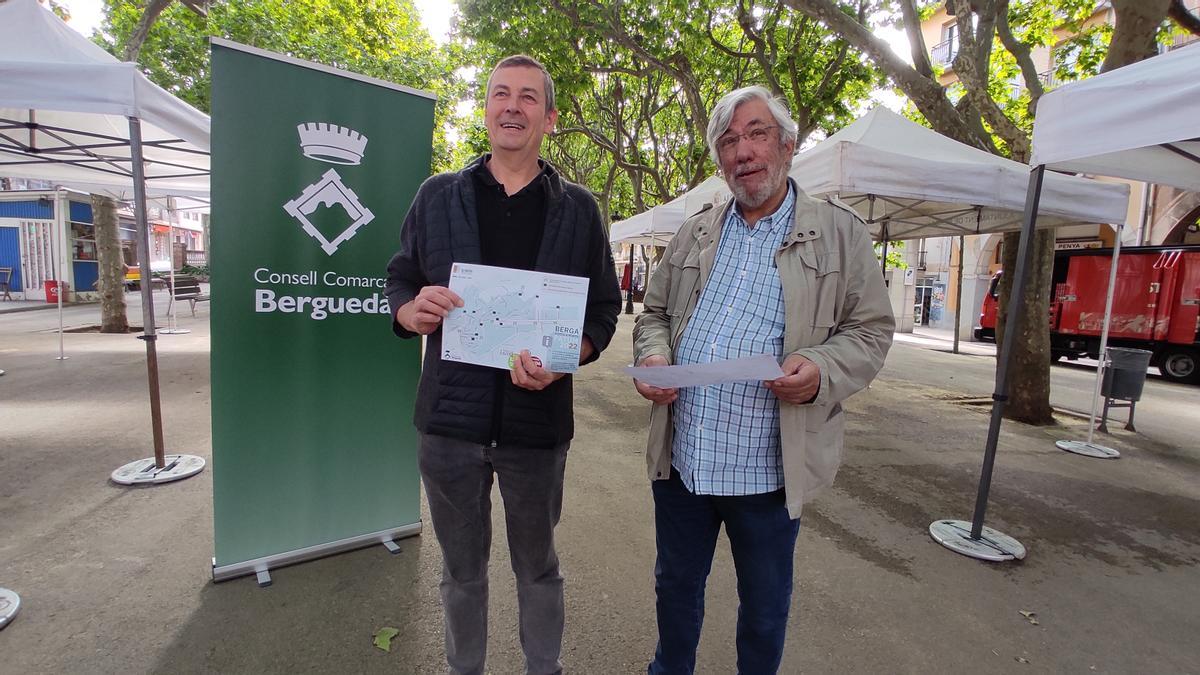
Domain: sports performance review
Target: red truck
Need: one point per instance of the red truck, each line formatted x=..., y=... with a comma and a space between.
x=1156, y=306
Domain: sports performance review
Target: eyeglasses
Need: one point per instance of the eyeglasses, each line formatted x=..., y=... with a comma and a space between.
x=757, y=136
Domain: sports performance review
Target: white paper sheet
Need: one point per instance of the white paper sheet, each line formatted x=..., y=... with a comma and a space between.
x=750, y=368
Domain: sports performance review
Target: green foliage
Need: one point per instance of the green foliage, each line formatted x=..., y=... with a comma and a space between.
x=895, y=256
x=636, y=80
x=195, y=270
x=378, y=38
x=60, y=10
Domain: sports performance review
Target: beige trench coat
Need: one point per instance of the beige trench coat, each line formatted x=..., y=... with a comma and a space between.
x=837, y=314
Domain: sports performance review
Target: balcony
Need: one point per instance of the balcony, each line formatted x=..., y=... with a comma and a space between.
x=1180, y=39
x=1049, y=79
x=943, y=53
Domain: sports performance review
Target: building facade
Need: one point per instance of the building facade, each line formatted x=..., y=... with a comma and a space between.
x=1158, y=215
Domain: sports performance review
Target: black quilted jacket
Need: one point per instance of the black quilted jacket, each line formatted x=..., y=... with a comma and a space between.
x=481, y=404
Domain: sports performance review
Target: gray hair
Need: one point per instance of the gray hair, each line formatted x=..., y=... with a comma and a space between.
x=525, y=61
x=722, y=115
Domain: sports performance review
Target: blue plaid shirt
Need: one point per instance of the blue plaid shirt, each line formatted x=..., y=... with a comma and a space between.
x=726, y=438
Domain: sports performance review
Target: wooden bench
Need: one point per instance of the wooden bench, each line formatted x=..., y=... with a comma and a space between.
x=187, y=287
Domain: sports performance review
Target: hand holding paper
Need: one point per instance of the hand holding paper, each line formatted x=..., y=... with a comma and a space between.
x=650, y=392
x=800, y=383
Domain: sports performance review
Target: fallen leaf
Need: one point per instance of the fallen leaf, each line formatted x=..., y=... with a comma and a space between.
x=1032, y=616
x=383, y=638
x=1021, y=659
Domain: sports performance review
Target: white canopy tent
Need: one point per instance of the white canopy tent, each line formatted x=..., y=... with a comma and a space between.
x=909, y=182
x=652, y=227
x=1140, y=122
x=713, y=190
x=64, y=110
x=72, y=113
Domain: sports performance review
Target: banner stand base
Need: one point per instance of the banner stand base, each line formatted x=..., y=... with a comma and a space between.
x=261, y=566
x=992, y=546
x=174, y=331
x=10, y=604
x=144, y=472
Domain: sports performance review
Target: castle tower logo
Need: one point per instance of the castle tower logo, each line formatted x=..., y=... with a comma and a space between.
x=332, y=144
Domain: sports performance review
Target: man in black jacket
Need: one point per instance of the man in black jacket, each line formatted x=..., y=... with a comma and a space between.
x=508, y=209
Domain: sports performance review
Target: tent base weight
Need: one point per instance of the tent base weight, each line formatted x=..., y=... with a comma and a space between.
x=144, y=472
x=1088, y=449
x=991, y=546
x=10, y=604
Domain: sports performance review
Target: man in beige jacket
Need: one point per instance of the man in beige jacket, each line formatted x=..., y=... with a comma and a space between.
x=772, y=271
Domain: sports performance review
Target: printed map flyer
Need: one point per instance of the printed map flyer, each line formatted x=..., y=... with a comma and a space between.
x=505, y=311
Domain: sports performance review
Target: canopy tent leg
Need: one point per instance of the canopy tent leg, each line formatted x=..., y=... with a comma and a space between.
x=883, y=231
x=162, y=468
x=958, y=293
x=1088, y=448
x=629, y=292
x=981, y=542
x=60, y=226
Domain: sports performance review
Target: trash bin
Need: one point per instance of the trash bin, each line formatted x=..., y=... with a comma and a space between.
x=52, y=287
x=1126, y=373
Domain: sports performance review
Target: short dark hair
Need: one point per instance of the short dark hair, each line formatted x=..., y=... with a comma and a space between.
x=525, y=61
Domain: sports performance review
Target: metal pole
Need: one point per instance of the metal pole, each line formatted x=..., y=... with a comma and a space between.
x=61, y=224
x=629, y=292
x=143, y=245
x=883, y=231
x=958, y=296
x=1011, y=328
x=1108, y=303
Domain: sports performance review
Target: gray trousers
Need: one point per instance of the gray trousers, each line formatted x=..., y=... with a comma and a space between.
x=458, y=484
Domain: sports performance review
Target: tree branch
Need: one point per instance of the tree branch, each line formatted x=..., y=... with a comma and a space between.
x=1022, y=53
x=1178, y=12
x=916, y=39
x=973, y=75
x=925, y=93
x=142, y=30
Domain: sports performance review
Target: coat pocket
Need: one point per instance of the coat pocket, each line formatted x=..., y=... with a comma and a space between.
x=826, y=271
x=685, y=276
x=824, y=426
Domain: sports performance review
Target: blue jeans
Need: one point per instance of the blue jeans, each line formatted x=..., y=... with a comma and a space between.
x=763, y=539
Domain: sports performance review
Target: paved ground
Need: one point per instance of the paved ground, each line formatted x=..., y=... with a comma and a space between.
x=118, y=580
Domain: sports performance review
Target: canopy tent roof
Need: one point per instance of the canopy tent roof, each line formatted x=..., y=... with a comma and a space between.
x=63, y=108
x=1141, y=122
x=652, y=227
x=922, y=184
x=925, y=184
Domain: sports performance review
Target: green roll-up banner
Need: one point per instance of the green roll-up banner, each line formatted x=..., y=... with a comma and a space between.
x=313, y=170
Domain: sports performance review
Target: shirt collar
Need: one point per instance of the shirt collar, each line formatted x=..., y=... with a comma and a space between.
x=485, y=175
x=772, y=222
